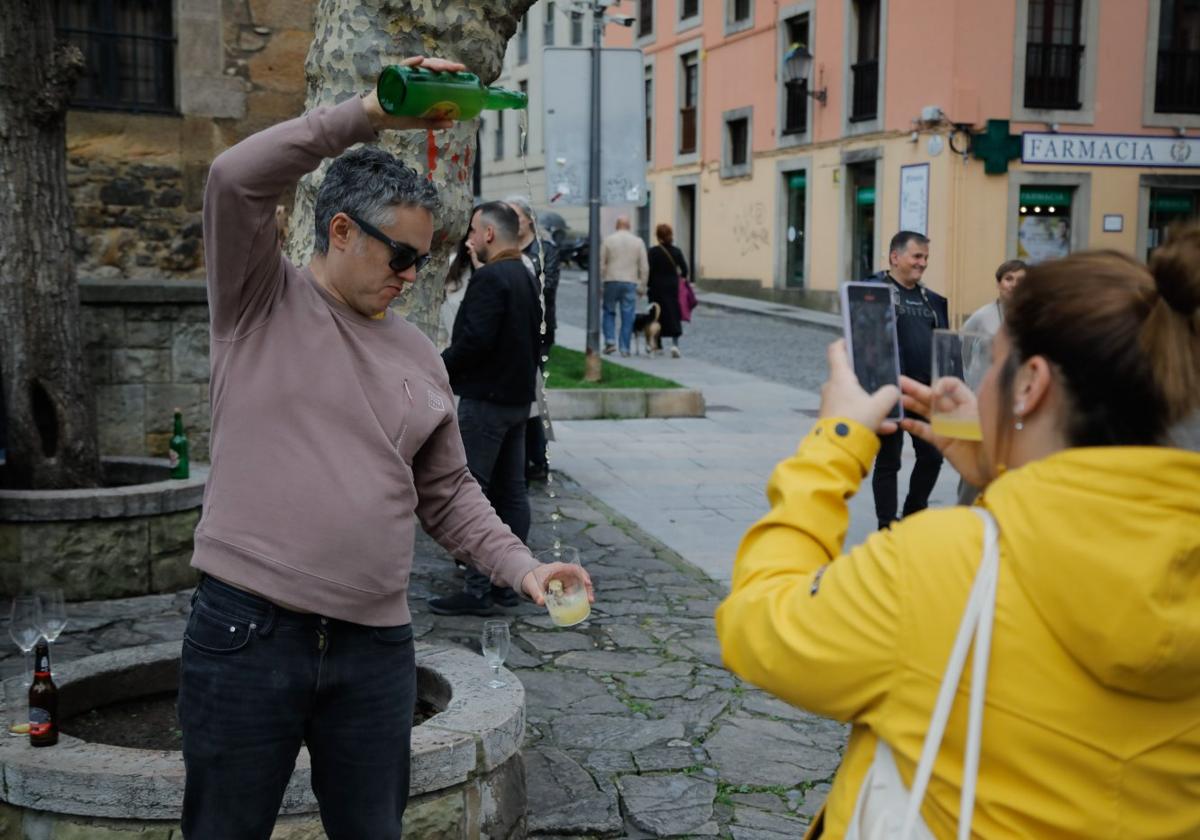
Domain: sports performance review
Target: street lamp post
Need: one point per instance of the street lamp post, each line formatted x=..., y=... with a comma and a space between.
x=592, y=359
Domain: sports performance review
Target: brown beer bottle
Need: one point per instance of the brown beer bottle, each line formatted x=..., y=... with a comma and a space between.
x=43, y=700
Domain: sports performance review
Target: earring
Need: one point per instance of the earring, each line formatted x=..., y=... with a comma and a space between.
x=1018, y=425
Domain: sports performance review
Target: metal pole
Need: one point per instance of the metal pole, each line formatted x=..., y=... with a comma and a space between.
x=592, y=364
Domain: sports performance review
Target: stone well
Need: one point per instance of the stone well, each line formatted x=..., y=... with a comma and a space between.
x=468, y=779
x=131, y=537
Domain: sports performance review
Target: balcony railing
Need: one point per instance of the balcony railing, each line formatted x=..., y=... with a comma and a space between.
x=795, y=107
x=864, y=101
x=687, y=130
x=1177, y=89
x=1052, y=76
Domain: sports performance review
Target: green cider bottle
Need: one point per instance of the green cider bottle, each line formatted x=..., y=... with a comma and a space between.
x=417, y=92
x=177, y=449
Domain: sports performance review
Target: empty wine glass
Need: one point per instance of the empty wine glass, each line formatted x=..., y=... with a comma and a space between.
x=54, y=614
x=495, y=643
x=24, y=626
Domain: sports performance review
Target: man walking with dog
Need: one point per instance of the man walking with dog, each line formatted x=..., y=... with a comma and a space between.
x=492, y=362
x=624, y=272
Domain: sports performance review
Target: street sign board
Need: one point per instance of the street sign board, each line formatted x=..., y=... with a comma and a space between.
x=567, y=97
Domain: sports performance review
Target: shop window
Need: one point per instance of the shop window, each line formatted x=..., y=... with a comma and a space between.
x=1177, y=82
x=1053, y=54
x=128, y=48
x=1169, y=208
x=1044, y=224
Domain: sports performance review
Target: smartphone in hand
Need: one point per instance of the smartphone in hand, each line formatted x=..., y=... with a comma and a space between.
x=869, y=321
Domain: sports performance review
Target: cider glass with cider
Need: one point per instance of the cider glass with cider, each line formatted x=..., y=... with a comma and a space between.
x=960, y=360
x=567, y=600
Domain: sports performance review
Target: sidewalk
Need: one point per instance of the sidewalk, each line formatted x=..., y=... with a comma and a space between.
x=698, y=484
x=633, y=728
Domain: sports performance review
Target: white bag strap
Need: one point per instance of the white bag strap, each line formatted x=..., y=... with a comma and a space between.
x=976, y=622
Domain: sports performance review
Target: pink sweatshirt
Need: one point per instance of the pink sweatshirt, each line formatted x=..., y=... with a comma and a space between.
x=332, y=433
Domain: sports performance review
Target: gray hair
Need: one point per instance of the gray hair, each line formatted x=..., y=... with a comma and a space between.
x=369, y=182
x=522, y=205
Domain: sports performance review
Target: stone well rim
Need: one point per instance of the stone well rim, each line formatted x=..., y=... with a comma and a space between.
x=147, y=499
x=479, y=730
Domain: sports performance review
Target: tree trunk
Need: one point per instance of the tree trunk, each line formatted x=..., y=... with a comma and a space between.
x=353, y=40
x=52, y=437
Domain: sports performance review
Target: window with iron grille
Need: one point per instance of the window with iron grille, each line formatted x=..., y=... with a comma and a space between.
x=690, y=63
x=576, y=29
x=864, y=98
x=1053, y=54
x=548, y=25
x=645, y=18
x=128, y=48
x=795, y=93
x=649, y=84
x=689, y=9
x=523, y=40
x=1177, y=83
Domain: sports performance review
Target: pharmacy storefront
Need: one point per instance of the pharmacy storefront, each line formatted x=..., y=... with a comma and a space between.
x=1100, y=190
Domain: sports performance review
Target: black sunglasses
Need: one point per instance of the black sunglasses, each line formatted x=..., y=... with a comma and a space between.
x=403, y=256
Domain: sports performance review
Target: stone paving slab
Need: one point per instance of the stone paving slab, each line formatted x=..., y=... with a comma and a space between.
x=633, y=728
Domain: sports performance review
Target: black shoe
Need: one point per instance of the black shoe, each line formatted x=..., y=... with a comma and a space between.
x=505, y=597
x=461, y=603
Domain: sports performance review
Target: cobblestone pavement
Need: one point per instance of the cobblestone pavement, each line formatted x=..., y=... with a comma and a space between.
x=634, y=730
x=788, y=353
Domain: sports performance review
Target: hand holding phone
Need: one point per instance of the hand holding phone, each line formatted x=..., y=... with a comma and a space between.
x=843, y=396
x=869, y=322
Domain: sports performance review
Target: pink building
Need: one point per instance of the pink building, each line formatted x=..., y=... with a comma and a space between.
x=793, y=179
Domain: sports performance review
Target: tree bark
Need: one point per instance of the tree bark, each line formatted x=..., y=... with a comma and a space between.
x=353, y=40
x=52, y=436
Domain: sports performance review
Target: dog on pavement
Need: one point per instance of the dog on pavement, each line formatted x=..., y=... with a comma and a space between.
x=646, y=328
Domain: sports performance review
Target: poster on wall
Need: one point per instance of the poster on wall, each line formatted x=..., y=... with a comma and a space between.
x=1042, y=238
x=914, y=198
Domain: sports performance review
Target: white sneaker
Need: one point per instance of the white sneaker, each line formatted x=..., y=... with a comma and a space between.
x=675, y=354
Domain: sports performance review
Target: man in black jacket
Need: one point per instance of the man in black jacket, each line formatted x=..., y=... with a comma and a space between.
x=918, y=312
x=492, y=361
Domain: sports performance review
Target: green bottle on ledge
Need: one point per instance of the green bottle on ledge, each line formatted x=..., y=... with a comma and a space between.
x=417, y=92
x=177, y=449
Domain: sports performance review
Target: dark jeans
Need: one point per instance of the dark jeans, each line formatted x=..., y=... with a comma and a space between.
x=887, y=469
x=535, y=445
x=494, y=436
x=255, y=681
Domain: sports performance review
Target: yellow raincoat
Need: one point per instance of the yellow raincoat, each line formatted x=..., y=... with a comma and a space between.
x=1092, y=722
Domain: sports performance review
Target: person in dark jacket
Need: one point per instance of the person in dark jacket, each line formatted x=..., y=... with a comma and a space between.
x=536, y=246
x=668, y=269
x=919, y=312
x=492, y=362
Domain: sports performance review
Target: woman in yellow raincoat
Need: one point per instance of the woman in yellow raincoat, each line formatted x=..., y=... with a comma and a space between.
x=1091, y=726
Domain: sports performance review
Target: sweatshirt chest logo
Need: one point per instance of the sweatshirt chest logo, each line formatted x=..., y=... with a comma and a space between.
x=436, y=402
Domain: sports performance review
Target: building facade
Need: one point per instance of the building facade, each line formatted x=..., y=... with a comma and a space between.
x=1086, y=116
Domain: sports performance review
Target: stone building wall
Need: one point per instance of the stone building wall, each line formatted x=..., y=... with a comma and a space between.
x=137, y=180
x=147, y=348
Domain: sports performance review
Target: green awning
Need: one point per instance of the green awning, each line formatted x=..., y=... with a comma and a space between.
x=1046, y=195
x=865, y=196
x=797, y=180
x=1173, y=203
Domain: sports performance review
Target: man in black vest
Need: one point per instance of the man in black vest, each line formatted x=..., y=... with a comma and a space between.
x=492, y=362
x=918, y=312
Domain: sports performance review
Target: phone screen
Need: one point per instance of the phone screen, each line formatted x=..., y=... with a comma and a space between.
x=870, y=321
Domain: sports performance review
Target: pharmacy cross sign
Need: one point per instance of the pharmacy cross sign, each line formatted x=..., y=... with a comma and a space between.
x=996, y=147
